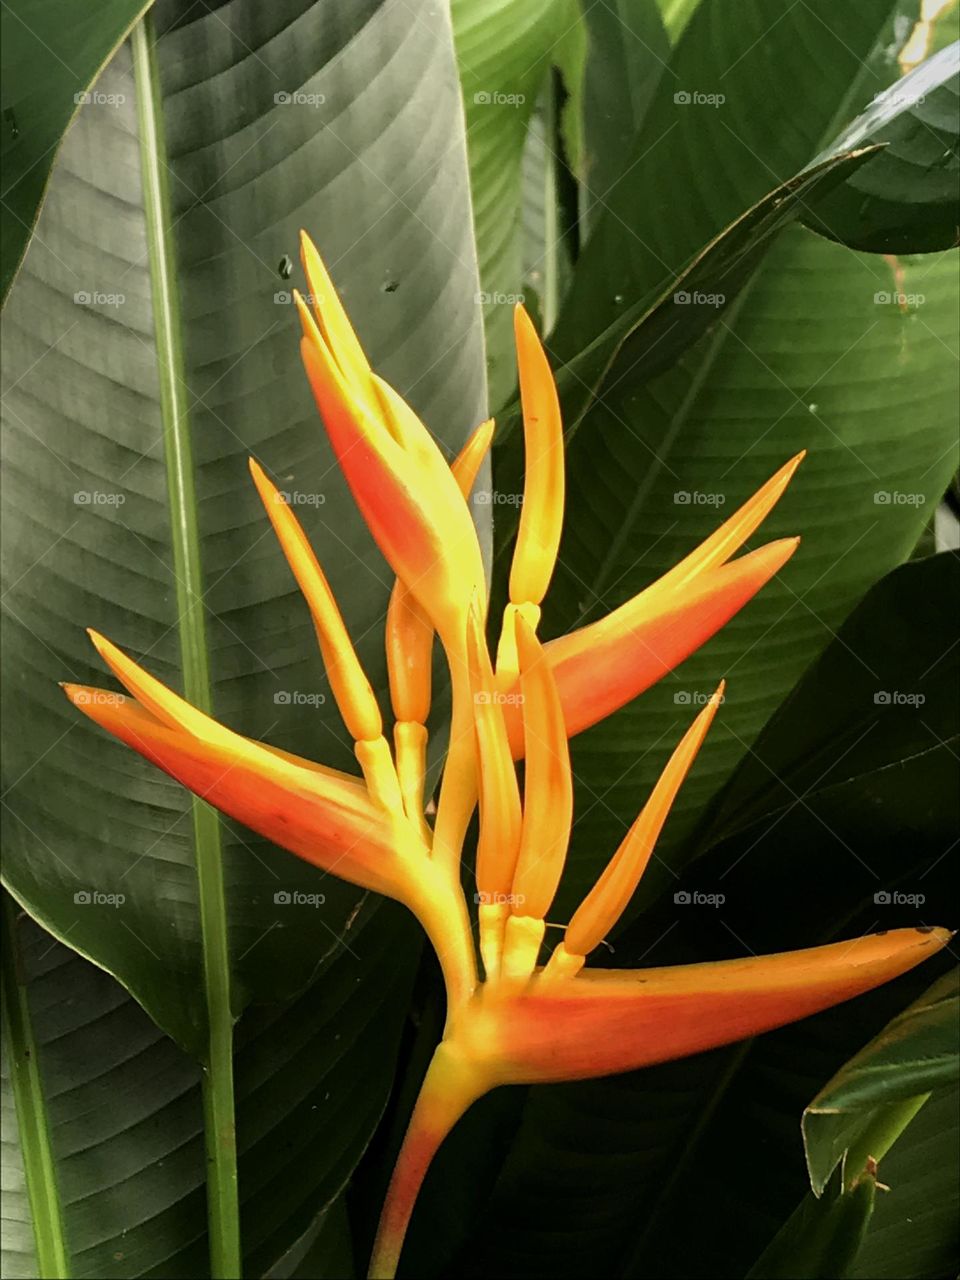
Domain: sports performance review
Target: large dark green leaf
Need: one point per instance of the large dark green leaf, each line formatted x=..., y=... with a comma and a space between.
x=904, y=201
x=344, y=120
x=917, y=1052
x=698, y=162
x=865, y=743
x=504, y=50
x=627, y=52
x=123, y=1107
x=914, y=1234
x=821, y=1239
x=52, y=52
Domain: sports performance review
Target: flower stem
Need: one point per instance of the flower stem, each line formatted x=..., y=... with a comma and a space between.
x=451, y=1084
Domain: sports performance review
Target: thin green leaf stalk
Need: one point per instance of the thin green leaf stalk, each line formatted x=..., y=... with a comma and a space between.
x=218, y=1090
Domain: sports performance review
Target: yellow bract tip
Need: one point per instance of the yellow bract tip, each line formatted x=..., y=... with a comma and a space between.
x=351, y=688
x=470, y=458
x=332, y=318
x=541, y=516
x=606, y=901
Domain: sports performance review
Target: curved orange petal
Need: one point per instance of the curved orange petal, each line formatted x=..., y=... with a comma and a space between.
x=323, y=816
x=605, y=1021
x=601, y=667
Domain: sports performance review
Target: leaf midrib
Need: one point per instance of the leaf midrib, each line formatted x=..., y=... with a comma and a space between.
x=218, y=1086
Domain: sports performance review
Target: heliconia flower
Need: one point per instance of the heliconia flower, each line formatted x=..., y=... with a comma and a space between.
x=529, y=1018
x=400, y=479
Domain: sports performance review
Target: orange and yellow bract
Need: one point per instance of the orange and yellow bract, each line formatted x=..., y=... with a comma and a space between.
x=513, y=1014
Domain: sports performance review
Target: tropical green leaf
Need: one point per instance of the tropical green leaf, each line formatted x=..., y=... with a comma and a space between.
x=917, y=1052
x=124, y=1110
x=905, y=200
x=721, y=131
x=803, y=364
x=914, y=1233
x=504, y=50
x=821, y=1240
x=627, y=52
x=867, y=737
x=52, y=53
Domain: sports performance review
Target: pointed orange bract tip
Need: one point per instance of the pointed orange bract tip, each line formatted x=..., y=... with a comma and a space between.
x=541, y=516
x=470, y=458
x=351, y=688
x=606, y=901
x=321, y=815
x=605, y=664
x=733, y=533
x=548, y=786
x=332, y=318
x=606, y=1021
